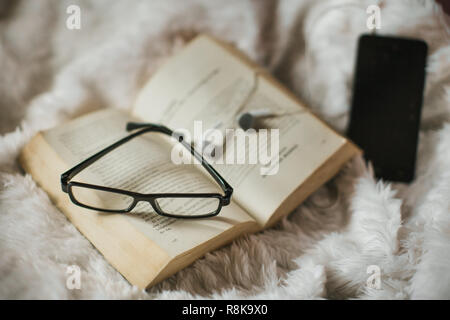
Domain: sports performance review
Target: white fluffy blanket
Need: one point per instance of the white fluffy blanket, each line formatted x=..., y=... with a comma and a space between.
x=324, y=248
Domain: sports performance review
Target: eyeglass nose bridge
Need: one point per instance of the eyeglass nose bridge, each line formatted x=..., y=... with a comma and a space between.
x=151, y=200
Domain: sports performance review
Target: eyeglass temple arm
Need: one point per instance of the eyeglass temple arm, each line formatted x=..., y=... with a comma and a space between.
x=69, y=174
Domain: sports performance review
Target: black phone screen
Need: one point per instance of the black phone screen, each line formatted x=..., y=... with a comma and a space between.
x=387, y=102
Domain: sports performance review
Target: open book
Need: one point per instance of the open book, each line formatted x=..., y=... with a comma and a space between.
x=208, y=81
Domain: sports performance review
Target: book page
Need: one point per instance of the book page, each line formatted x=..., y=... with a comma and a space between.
x=207, y=83
x=141, y=165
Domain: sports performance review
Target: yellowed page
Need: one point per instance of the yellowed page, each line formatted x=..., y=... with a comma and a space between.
x=208, y=83
x=142, y=165
x=202, y=82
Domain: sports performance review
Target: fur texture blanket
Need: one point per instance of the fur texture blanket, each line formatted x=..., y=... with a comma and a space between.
x=348, y=235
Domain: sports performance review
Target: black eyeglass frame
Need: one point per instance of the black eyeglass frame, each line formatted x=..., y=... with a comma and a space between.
x=67, y=185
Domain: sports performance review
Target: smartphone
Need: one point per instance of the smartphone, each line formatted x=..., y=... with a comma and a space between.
x=387, y=101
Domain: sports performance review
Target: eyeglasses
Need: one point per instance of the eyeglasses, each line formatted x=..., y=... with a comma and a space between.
x=174, y=205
